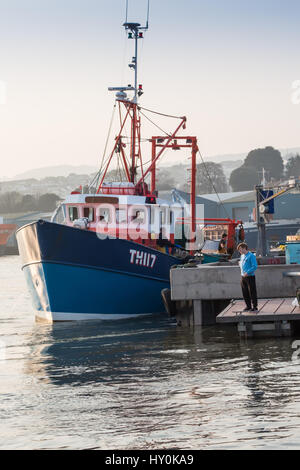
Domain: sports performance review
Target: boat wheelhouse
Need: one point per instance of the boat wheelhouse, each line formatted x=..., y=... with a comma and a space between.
x=148, y=220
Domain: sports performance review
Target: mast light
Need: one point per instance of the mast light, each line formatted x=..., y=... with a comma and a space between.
x=140, y=90
x=150, y=200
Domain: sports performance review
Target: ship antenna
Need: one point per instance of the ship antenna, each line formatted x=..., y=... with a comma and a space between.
x=148, y=11
x=135, y=32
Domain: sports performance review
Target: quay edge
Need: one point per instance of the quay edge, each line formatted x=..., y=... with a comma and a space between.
x=200, y=294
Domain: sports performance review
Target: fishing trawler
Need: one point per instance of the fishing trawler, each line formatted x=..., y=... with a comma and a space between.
x=107, y=252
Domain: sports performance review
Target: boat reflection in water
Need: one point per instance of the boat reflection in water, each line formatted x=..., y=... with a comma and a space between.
x=143, y=384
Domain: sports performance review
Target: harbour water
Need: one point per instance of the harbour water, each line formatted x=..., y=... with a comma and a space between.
x=142, y=384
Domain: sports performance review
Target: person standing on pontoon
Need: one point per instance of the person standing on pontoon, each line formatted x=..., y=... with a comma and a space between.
x=248, y=265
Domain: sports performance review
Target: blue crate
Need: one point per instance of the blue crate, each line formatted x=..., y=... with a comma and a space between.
x=293, y=253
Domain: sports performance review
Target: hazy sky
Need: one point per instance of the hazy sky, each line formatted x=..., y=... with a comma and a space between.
x=227, y=65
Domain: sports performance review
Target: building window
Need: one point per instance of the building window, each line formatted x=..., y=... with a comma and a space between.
x=241, y=213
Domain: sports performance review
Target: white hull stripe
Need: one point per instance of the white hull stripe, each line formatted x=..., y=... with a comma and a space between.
x=66, y=316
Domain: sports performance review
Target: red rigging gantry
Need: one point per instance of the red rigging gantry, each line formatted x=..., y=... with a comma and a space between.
x=159, y=145
x=132, y=114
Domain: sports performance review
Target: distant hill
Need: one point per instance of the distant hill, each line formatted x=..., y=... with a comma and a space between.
x=59, y=170
x=229, y=162
x=181, y=173
x=226, y=157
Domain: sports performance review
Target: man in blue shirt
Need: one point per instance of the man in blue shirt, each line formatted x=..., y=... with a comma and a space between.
x=248, y=267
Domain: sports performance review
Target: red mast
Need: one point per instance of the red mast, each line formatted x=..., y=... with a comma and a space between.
x=159, y=143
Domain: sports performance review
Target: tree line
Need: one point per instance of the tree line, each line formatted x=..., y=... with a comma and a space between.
x=210, y=176
x=259, y=162
x=268, y=159
x=13, y=202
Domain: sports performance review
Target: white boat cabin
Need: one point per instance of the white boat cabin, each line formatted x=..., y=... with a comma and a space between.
x=142, y=219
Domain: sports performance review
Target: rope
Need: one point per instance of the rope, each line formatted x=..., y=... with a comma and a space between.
x=213, y=186
x=148, y=13
x=155, y=124
x=161, y=114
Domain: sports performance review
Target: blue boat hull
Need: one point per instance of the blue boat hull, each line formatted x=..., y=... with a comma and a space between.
x=74, y=275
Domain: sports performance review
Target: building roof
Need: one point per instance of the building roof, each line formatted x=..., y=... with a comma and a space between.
x=246, y=197
x=242, y=196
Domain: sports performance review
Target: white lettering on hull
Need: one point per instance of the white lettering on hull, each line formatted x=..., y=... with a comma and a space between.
x=142, y=258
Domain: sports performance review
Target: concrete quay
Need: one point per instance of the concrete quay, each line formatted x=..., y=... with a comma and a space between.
x=199, y=294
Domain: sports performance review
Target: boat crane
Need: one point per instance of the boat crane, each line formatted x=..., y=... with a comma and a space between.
x=263, y=210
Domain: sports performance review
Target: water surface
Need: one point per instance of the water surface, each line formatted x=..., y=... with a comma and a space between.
x=139, y=384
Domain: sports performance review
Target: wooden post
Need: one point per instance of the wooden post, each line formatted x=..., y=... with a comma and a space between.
x=198, y=317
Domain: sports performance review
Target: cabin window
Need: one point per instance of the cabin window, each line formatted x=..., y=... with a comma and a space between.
x=166, y=216
x=163, y=216
x=88, y=212
x=121, y=215
x=139, y=217
x=73, y=213
x=104, y=215
x=59, y=217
